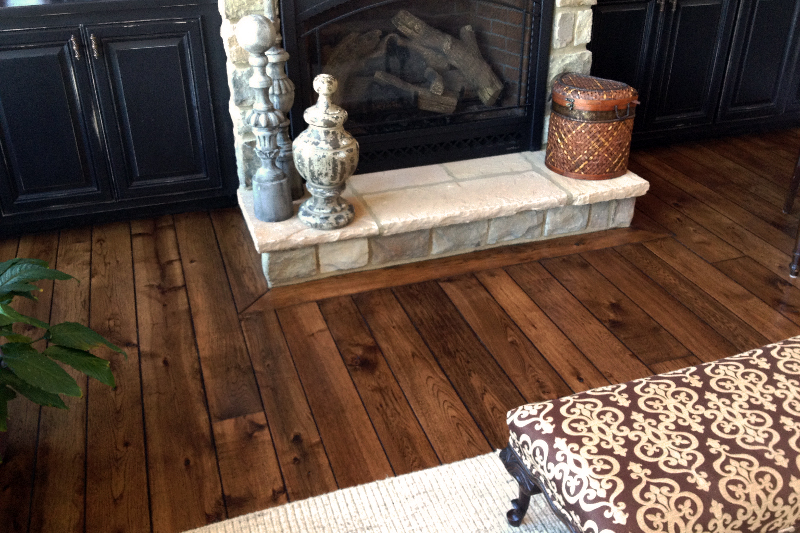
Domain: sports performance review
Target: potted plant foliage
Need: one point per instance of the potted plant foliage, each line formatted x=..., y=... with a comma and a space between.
x=33, y=373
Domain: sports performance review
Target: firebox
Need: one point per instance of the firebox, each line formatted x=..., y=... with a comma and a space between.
x=425, y=81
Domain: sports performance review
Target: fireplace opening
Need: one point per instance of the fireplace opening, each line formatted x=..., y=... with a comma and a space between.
x=425, y=81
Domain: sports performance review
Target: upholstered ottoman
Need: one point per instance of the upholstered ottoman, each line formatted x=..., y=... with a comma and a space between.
x=712, y=448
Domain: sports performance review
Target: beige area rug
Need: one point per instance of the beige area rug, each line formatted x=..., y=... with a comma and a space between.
x=468, y=496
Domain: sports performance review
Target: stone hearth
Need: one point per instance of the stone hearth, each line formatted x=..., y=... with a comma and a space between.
x=434, y=211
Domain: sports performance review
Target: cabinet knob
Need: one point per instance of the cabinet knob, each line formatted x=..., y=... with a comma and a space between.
x=76, y=47
x=95, y=46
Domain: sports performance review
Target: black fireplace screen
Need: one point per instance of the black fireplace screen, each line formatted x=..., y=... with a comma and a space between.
x=425, y=81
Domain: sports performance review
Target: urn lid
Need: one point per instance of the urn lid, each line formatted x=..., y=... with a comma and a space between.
x=325, y=114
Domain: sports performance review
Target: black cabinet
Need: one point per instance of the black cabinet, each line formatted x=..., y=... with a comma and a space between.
x=702, y=67
x=121, y=112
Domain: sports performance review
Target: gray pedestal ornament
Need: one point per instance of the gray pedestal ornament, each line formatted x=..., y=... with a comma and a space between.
x=325, y=155
x=272, y=197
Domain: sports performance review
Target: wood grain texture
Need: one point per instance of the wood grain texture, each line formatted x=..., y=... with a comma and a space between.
x=355, y=454
x=726, y=323
x=116, y=470
x=251, y=477
x=605, y=351
x=643, y=336
x=58, y=497
x=480, y=382
x=675, y=364
x=447, y=422
x=513, y=351
x=17, y=471
x=301, y=454
x=741, y=302
x=230, y=386
x=242, y=261
x=693, y=332
x=401, y=435
x=185, y=489
x=570, y=363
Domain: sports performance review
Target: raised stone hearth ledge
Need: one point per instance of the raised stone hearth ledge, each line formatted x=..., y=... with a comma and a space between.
x=422, y=213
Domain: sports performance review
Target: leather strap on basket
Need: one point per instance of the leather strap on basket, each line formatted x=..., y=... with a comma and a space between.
x=592, y=105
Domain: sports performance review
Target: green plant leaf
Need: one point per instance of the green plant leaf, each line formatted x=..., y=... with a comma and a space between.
x=6, y=395
x=34, y=394
x=78, y=336
x=14, y=337
x=98, y=368
x=34, y=368
x=17, y=276
x=8, y=316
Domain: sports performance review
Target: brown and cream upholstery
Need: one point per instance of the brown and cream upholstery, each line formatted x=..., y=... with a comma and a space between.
x=712, y=448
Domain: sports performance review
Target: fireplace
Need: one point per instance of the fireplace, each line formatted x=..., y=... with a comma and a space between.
x=425, y=82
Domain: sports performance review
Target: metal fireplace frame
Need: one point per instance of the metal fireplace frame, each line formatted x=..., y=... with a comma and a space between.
x=436, y=144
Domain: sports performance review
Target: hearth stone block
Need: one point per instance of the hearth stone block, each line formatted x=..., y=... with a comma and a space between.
x=401, y=247
x=287, y=266
x=236, y=54
x=246, y=162
x=241, y=92
x=623, y=213
x=389, y=180
x=236, y=9
x=567, y=219
x=487, y=166
x=459, y=237
x=569, y=3
x=343, y=255
x=563, y=28
x=583, y=27
x=600, y=216
x=561, y=62
x=528, y=225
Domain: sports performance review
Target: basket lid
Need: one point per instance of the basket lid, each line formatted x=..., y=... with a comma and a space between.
x=577, y=86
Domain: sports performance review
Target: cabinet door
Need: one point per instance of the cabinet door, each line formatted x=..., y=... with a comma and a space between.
x=50, y=148
x=623, y=34
x=155, y=99
x=760, y=63
x=691, y=63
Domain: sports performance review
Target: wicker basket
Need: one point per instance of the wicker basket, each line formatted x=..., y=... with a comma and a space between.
x=590, y=127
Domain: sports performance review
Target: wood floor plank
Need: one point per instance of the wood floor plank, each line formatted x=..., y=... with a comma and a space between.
x=576, y=370
x=774, y=290
x=768, y=143
x=705, y=196
x=675, y=364
x=741, y=302
x=643, y=336
x=770, y=160
x=726, y=323
x=17, y=472
x=59, y=494
x=727, y=150
x=185, y=488
x=447, y=423
x=353, y=447
x=230, y=384
x=304, y=465
x=641, y=230
x=480, y=382
x=700, y=175
x=242, y=262
x=251, y=477
x=116, y=471
x=403, y=439
x=692, y=331
x=723, y=227
x=687, y=231
x=598, y=344
x=8, y=248
x=517, y=356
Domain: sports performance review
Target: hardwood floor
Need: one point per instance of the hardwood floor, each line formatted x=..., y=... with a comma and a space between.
x=234, y=398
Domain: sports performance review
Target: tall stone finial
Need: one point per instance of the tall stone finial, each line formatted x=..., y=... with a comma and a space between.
x=282, y=95
x=272, y=198
x=326, y=155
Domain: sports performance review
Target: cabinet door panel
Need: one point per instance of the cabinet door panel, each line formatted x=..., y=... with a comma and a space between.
x=762, y=50
x=50, y=152
x=156, y=102
x=692, y=63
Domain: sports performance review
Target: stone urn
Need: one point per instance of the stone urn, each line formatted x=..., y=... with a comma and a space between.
x=325, y=155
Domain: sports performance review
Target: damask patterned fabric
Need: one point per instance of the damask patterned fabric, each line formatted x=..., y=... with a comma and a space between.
x=713, y=448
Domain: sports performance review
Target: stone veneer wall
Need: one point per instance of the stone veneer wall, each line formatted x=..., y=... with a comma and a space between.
x=572, y=30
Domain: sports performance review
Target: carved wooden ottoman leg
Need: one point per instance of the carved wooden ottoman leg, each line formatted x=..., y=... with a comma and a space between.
x=527, y=487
